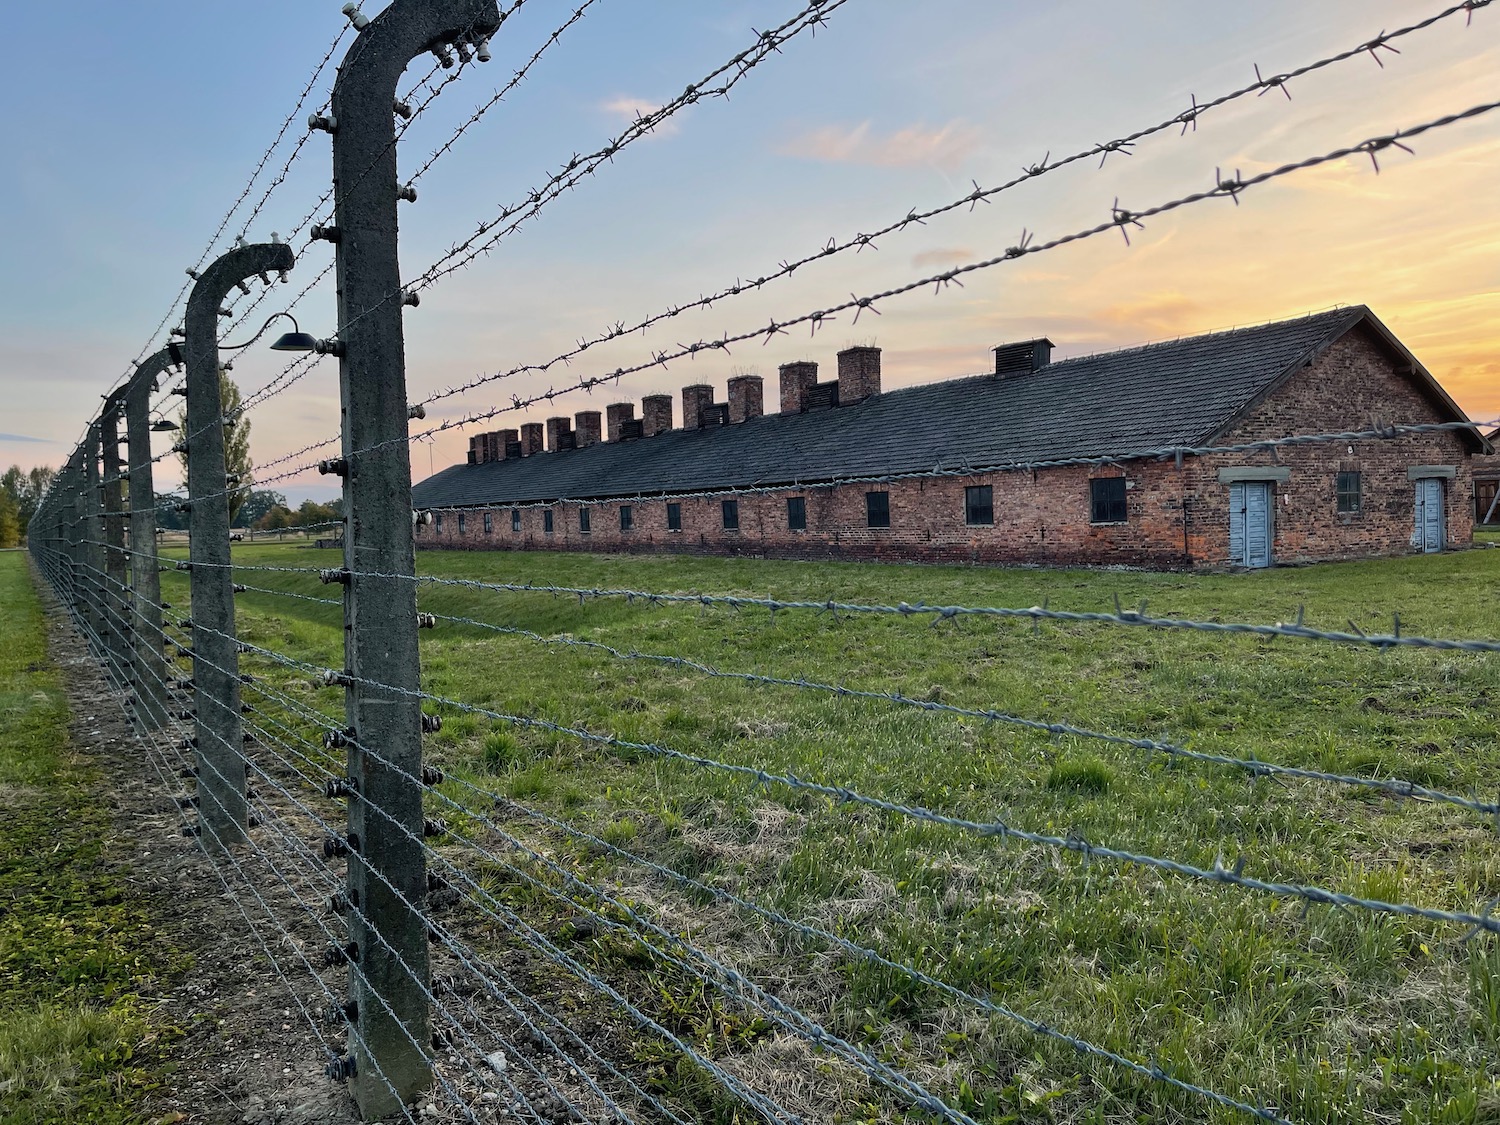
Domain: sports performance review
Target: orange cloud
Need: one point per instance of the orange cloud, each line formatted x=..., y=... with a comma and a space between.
x=945, y=147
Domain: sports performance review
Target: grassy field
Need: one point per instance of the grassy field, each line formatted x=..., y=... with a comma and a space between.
x=1326, y=1015
x=76, y=951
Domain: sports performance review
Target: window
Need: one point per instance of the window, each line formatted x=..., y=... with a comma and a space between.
x=627, y=517
x=731, y=515
x=877, y=509
x=674, y=517
x=979, y=504
x=489, y=523
x=1484, y=499
x=796, y=513
x=515, y=519
x=437, y=520
x=460, y=523
x=547, y=521
x=1348, y=492
x=1107, y=496
x=583, y=520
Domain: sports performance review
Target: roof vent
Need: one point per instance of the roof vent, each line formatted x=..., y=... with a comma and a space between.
x=822, y=396
x=1022, y=359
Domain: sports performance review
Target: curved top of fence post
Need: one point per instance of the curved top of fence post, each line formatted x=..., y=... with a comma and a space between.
x=143, y=380
x=391, y=40
x=214, y=284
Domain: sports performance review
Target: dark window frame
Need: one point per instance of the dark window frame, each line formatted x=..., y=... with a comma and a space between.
x=489, y=523
x=461, y=523
x=437, y=521
x=1105, y=507
x=979, y=505
x=796, y=513
x=515, y=520
x=729, y=511
x=585, y=522
x=674, y=517
x=1348, y=501
x=1484, y=495
x=547, y=522
x=627, y=517
x=877, y=509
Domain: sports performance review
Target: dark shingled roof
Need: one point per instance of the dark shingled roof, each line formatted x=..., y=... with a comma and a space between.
x=1181, y=392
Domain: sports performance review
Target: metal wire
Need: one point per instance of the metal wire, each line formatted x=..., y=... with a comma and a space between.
x=1225, y=187
x=861, y=241
x=992, y=829
x=1253, y=766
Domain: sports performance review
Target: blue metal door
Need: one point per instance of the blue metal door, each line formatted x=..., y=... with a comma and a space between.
x=1432, y=526
x=1250, y=523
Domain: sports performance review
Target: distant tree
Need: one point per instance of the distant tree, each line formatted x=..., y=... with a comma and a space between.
x=311, y=513
x=276, y=519
x=10, y=521
x=26, y=487
x=166, y=515
x=256, y=505
x=236, y=443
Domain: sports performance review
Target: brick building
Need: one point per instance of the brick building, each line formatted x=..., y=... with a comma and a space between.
x=967, y=470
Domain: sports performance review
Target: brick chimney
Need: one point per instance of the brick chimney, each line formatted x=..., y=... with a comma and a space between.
x=590, y=429
x=616, y=414
x=796, y=380
x=746, y=398
x=1012, y=360
x=695, y=403
x=560, y=434
x=531, y=439
x=507, y=444
x=474, y=450
x=859, y=374
x=656, y=415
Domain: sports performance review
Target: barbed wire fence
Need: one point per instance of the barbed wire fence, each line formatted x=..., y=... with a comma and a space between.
x=444, y=960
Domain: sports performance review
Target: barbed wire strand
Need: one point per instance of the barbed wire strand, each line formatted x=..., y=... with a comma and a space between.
x=992, y=829
x=861, y=241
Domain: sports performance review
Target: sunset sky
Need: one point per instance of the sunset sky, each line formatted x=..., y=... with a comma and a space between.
x=135, y=127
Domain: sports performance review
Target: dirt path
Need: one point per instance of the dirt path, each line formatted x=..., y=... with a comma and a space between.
x=247, y=1055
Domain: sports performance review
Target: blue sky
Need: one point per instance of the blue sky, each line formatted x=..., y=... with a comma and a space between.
x=136, y=126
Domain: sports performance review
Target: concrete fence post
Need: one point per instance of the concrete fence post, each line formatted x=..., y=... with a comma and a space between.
x=92, y=504
x=387, y=873
x=116, y=595
x=148, y=652
x=223, y=810
x=74, y=518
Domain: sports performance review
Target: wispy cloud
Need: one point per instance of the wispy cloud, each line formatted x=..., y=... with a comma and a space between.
x=946, y=147
x=628, y=110
x=942, y=256
x=25, y=438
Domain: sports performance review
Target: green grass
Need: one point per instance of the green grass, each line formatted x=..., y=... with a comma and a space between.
x=77, y=952
x=1329, y=1016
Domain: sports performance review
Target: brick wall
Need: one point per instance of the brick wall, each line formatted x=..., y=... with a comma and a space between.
x=1176, y=515
x=1353, y=384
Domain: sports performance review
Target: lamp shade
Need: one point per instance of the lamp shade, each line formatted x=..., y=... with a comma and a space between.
x=295, y=342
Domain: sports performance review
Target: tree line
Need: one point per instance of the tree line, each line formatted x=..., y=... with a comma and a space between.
x=21, y=492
